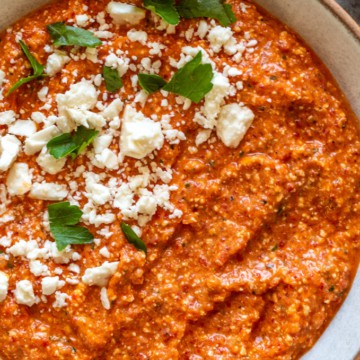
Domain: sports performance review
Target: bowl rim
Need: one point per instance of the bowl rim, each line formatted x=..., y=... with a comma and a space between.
x=343, y=16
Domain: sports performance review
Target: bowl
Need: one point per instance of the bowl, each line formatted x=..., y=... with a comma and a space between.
x=335, y=38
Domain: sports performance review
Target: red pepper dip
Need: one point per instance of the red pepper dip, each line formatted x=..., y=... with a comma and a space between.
x=176, y=182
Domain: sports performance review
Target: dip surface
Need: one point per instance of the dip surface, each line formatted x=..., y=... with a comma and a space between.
x=250, y=249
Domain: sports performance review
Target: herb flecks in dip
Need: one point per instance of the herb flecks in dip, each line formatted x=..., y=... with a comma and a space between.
x=177, y=181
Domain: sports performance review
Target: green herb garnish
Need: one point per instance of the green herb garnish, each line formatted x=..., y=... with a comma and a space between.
x=132, y=238
x=38, y=69
x=214, y=9
x=71, y=144
x=192, y=81
x=63, y=219
x=151, y=83
x=112, y=79
x=63, y=34
x=165, y=9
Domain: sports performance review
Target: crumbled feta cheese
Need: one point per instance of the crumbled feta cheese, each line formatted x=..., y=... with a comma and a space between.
x=202, y=136
x=82, y=20
x=22, y=128
x=104, y=252
x=42, y=93
x=135, y=35
x=86, y=118
x=213, y=102
x=4, y=286
x=60, y=300
x=140, y=136
x=24, y=293
x=9, y=150
x=100, y=276
x=48, y=163
x=102, y=142
x=107, y=159
x=22, y=248
x=50, y=284
x=104, y=298
x=125, y=13
x=7, y=117
x=98, y=193
x=115, y=62
x=37, y=141
x=233, y=123
x=18, y=181
x=218, y=37
x=82, y=96
x=48, y=191
x=38, y=268
x=56, y=62
x=113, y=109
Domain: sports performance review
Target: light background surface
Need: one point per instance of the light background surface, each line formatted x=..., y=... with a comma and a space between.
x=352, y=7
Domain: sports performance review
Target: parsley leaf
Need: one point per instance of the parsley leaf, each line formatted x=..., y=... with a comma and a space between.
x=151, y=83
x=192, y=81
x=132, y=238
x=63, y=219
x=38, y=69
x=63, y=34
x=165, y=9
x=214, y=9
x=71, y=144
x=112, y=79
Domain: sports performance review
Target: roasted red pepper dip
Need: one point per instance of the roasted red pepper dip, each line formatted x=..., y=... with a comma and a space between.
x=223, y=227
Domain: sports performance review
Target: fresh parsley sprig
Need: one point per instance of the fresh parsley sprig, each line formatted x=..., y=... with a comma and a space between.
x=189, y=9
x=65, y=35
x=72, y=144
x=193, y=80
x=113, y=81
x=213, y=9
x=63, y=219
x=132, y=238
x=38, y=69
x=151, y=83
x=165, y=9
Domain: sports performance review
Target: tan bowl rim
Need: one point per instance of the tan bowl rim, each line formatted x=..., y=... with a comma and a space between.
x=343, y=16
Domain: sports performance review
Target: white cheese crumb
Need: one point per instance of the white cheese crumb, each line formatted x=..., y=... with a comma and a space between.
x=38, y=268
x=60, y=300
x=19, y=179
x=202, y=136
x=82, y=20
x=9, y=150
x=104, y=298
x=56, y=62
x=24, y=293
x=124, y=13
x=100, y=276
x=42, y=93
x=48, y=163
x=4, y=286
x=82, y=95
x=37, y=141
x=135, y=35
x=22, y=128
x=233, y=123
x=50, y=284
x=48, y=191
x=104, y=252
x=140, y=136
x=7, y=117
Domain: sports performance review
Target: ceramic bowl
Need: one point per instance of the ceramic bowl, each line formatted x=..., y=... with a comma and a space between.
x=335, y=38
